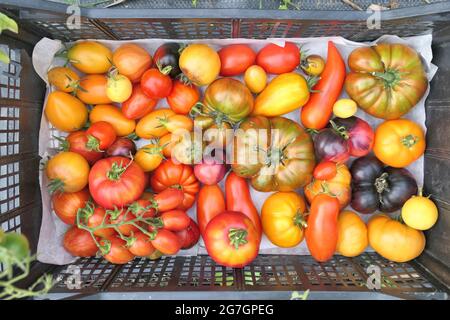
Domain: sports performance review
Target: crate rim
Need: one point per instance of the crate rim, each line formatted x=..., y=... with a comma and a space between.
x=194, y=13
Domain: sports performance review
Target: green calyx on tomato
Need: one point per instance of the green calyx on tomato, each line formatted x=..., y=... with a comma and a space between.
x=390, y=77
x=410, y=140
x=341, y=130
x=116, y=171
x=93, y=144
x=299, y=220
x=55, y=186
x=237, y=237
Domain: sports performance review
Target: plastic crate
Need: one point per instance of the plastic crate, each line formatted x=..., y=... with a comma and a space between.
x=270, y=276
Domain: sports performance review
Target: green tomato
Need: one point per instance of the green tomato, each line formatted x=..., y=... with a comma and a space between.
x=17, y=244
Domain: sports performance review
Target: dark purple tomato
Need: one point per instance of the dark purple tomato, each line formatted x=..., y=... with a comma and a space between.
x=330, y=146
x=358, y=133
x=122, y=147
x=168, y=54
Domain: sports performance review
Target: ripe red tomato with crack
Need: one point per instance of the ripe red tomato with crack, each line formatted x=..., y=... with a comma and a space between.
x=156, y=84
x=79, y=243
x=116, y=182
x=179, y=176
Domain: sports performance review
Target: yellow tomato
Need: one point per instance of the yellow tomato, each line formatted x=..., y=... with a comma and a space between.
x=345, y=108
x=118, y=88
x=149, y=157
x=282, y=218
x=420, y=212
x=65, y=112
x=90, y=57
x=255, y=78
x=200, y=63
x=352, y=234
x=178, y=122
x=150, y=126
x=313, y=65
x=109, y=113
x=285, y=93
x=63, y=78
x=67, y=172
x=394, y=240
x=398, y=143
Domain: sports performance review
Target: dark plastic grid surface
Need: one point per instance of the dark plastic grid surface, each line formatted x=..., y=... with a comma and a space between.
x=265, y=273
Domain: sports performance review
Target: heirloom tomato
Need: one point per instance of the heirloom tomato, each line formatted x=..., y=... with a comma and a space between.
x=138, y=104
x=210, y=203
x=189, y=236
x=131, y=61
x=101, y=135
x=67, y=172
x=63, y=78
x=279, y=59
x=65, y=112
x=231, y=239
x=118, y=87
x=156, y=83
x=166, y=241
x=116, y=182
x=352, y=234
x=77, y=142
x=235, y=59
x=168, y=54
x=122, y=147
x=116, y=250
x=66, y=204
x=283, y=218
x=141, y=246
x=183, y=97
x=150, y=126
x=90, y=57
x=149, y=157
x=92, y=89
x=200, y=64
x=93, y=216
x=79, y=243
x=255, y=78
x=109, y=113
x=420, y=212
x=175, y=220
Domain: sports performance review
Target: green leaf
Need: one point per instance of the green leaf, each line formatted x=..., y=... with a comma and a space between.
x=4, y=57
x=6, y=23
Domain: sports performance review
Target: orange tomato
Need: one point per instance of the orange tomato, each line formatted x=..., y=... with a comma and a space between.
x=149, y=157
x=65, y=112
x=111, y=114
x=90, y=57
x=255, y=78
x=132, y=61
x=168, y=142
x=398, y=143
x=352, y=234
x=63, y=78
x=67, y=172
x=177, y=122
x=92, y=89
x=150, y=126
x=200, y=63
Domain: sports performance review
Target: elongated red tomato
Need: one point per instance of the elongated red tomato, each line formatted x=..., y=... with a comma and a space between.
x=166, y=242
x=235, y=59
x=142, y=245
x=138, y=104
x=317, y=111
x=322, y=231
x=189, y=236
x=116, y=182
x=276, y=59
x=210, y=203
x=100, y=136
x=239, y=199
x=175, y=220
x=118, y=252
x=79, y=243
x=168, y=199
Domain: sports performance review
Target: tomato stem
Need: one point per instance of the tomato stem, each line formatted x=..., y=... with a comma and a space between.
x=390, y=77
x=410, y=140
x=55, y=185
x=299, y=220
x=93, y=144
x=381, y=183
x=237, y=237
x=341, y=130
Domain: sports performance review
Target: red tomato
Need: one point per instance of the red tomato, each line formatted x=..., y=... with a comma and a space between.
x=79, y=243
x=138, y=104
x=141, y=246
x=316, y=113
x=95, y=217
x=322, y=231
x=116, y=182
x=189, y=236
x=183, y=97
x=66, y=204
x=275, y=59
x=178, y=176
x=101, y=135
x=143, y=207
x=121, y=215
x=77, y=142
x=175, y=220
x=156, y=84
x=239, y=199
x=211, y=202
x=118, y=252
x=231, y=239
x=166, y=242
x=235, y=59
x=325, y=170
x=168, y=199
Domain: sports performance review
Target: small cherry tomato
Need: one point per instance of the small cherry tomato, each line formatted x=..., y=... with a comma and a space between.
x=255, y=78
x=325, y=170
x=313, y=65
x=345, y=108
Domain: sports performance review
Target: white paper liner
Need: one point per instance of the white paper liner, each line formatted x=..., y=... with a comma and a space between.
x=50, y=249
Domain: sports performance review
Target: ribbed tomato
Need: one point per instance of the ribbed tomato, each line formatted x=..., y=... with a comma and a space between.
x=116, y=181
x=66, y=204
x=79, y=243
